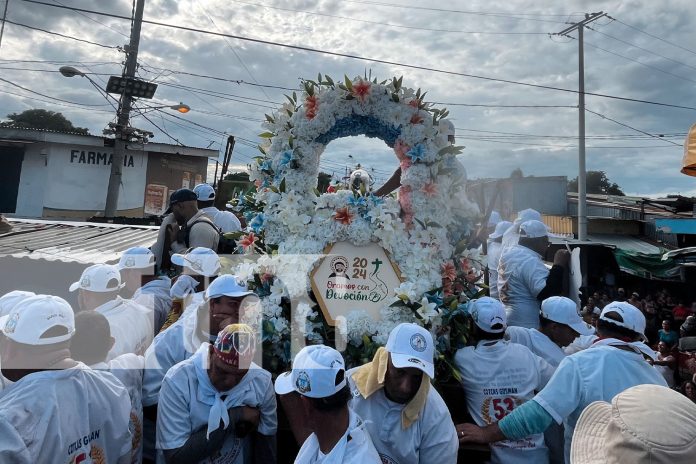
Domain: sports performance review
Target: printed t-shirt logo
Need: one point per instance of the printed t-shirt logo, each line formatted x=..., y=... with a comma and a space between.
x=418, y=342
x=386, y=459
x=302, y=383
x=11, y=324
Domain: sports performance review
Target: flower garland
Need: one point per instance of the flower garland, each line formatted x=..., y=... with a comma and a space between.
x=287, y=215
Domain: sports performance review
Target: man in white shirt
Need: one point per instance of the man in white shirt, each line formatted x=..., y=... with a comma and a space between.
x=499, y=376
x=90, y=345
x=523, y=280
x=7, y=302
x=225, y=220
x=615, y=362
x=495, y=247
x=58, y=410
x=131, y=324
x=137, y=267
x=559, y=326
x=512, y=234
x=339, y=434
x=200, y=266
x=218, y=406
x=406, y=418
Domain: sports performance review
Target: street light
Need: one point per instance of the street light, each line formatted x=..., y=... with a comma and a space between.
x=69, y=71
x=181, y=108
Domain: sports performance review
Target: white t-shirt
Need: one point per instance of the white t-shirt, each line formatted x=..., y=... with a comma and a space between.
x=498, y=377
x=68, y=416
x=131, y=326
x=128, y=369
x=178, y=343
x=185, y=405
x=666, y=371
x=354, y=447
x=432, y=438
x=154, y=296
x=225, y=220
x=582, y=342
x=537, y=342
x=494, y=251
x=596, y=374
x=521, y=276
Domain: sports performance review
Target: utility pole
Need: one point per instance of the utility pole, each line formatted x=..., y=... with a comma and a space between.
x=123, y=115
x=4, y=17
x=582, y=172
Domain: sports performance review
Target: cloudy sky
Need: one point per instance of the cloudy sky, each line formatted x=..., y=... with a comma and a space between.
x=647, y=51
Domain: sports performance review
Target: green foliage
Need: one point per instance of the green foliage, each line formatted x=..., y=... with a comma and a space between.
x=42, y=119
x=597, y=182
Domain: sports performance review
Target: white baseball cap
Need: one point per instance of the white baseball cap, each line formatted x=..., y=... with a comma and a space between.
x=528, y=214
x=136, y=258
x=199, y=260
x=204, y=192
x=226, y=285
x=11, y=299
x=631, y=317
x=314, y=373
x=410, y=345
x=627, y=430
x=500, y=229
x=564, y=311
x=33, y=316
x=533, y=229
x=494, y=219
x=488, y=313
x=99, y=278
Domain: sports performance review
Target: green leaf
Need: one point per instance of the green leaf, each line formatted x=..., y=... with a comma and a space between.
x=289, y=114
x=450, y=149
x=317, y=192
x=395, y=98
x=294, y=97
x=419, y=222
x=400, y=81
x=290, y=141
x=319, y=78
x=434, y=224
x=266, y=135
x=348, y=82
x=350, y=97
x=292, y=102
x=269, y=119
x=282, y=186
x=274, y=189
x=329, y=80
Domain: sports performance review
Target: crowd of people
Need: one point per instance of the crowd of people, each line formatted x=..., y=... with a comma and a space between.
x=151, y=369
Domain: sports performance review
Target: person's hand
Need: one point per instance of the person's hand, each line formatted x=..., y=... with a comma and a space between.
x=245, y=419
x=472, y=433
x=562, y=258
x=185, y=285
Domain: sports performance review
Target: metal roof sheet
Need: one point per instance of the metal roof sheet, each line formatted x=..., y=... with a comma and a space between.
x=79, y=242
x=622, y=242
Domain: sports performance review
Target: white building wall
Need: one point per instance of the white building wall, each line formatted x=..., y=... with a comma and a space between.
x=32, y=181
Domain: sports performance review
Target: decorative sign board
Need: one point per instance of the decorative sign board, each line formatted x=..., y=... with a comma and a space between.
x=351, y=278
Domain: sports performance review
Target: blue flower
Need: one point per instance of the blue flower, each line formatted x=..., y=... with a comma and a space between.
x=266, y=166
x=357, y=201
x=417, y=153
x=257, y=222
x=376, y=201
x=436, y=298
x=284, y=159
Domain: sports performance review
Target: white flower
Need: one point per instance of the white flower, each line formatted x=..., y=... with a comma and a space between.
x=359, y=323
x=406, y=291
x=427, y=310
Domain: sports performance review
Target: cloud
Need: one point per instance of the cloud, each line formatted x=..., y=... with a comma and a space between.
x=546, y=147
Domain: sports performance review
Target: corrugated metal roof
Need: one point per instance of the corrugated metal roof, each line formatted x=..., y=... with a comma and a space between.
x=622, y=242
x=79, y=242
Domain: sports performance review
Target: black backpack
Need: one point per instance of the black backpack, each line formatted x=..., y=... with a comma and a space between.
x=226, y=246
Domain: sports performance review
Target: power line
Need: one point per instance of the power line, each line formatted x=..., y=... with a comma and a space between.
x=47, y=96
x=490, y=105
x=234, y=81
x=379, y=23
x=48, y=70
x=653, y=36
x=392, y=63
x=67, y=105
x=601, y=136
x=215, y=93
x=60, y=35
x=94, y=20
x=632, y=128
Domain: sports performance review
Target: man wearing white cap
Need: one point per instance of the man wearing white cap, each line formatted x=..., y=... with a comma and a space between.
x=137, y=268
x=225, y=301
x=523, y=280
x=498, y=377
x=225, y=220
x=58, y=410
x=559, y=325
x=218, y=405
x=494, y=248
x=512, y=235
x=643, y=424
x=7, y=302
x=406, y=418
x=131, y=324
x=339, y=434
x=615, y=362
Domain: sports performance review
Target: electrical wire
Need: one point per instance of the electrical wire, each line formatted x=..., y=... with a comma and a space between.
x=378, y=23
x=630, y=127
x=95, y=20
x=374, y=60
x=61, y=35
x=48, y=96
x=67, y=105
x=653, y=36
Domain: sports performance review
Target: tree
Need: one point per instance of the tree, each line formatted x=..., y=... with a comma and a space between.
x=516, y=174
x=597, y=182
x=42, y=119
x=324, y=179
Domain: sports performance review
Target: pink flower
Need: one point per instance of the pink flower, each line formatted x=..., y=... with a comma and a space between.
x=361, y=90
x=415, y=103
x=343, y=216
x=311, y=106
x=429, y=189
x=247, y=241
x=448, y=270
x=400, y=148
x=330, y=189
x=416, y=118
